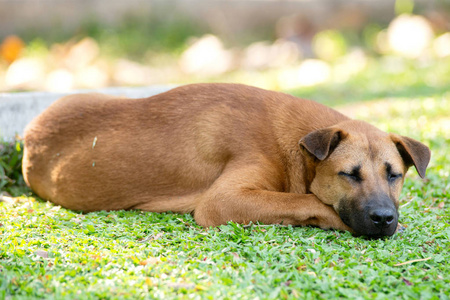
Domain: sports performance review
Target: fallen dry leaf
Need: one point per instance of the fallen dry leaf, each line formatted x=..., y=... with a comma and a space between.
x=181, y=285
x=14, y=281
x=185, y=223
x=408, y=283
x=41, y=253
x=150, y=261
x=151, y=237
x=288, y=283
x=312, y=274
x=400, y=228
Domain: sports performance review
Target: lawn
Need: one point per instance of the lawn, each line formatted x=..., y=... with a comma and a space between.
x=49, y=252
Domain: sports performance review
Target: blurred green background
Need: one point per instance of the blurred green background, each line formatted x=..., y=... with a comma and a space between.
x=283, y=45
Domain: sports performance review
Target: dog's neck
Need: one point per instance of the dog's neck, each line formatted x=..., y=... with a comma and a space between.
x=300, y=169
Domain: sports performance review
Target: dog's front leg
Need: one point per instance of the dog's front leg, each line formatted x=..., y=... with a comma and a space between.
x=217, y=207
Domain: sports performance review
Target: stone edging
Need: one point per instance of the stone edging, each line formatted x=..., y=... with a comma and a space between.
x=18, y=109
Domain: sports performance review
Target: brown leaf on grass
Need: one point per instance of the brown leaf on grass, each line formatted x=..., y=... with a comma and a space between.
x=150, y=261
x=185, y=223
x=41, y=253
x=151, y=237
x=441, y=205
x=312, y=274
x=407, y=282
x=158, y=236
x=14, y=281
x=181, y=285
x=95, y=257
x=401, y=228
x=430, y=242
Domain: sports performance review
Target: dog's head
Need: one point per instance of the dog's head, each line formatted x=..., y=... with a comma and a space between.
x=360, y=170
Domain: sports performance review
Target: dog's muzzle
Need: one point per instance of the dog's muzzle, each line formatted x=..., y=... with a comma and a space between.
x=377, y=218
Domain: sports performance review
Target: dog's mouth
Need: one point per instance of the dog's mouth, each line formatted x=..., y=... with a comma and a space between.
x=374, y=231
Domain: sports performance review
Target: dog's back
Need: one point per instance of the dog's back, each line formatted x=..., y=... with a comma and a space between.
x=93, y=152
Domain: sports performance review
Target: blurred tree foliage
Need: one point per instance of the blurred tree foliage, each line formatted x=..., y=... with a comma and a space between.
x=130, y=38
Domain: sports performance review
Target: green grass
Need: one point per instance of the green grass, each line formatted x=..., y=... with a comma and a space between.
x=11, y=180
x=50, y=252
x=387, y=78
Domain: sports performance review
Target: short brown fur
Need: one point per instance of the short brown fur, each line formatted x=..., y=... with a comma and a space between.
x=223, y=152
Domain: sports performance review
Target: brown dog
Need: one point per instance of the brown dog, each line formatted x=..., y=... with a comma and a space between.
x=222, y=152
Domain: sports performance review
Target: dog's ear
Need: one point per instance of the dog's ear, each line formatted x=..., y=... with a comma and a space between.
x=320, y=143
x=412, y=152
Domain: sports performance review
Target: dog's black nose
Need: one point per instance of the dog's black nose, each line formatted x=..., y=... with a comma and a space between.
x=382, y=217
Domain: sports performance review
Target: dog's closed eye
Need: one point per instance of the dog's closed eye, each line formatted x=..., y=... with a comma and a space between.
x=391, y=175
x=354, y=175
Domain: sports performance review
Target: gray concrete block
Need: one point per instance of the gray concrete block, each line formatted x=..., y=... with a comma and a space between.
x=18, y=109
